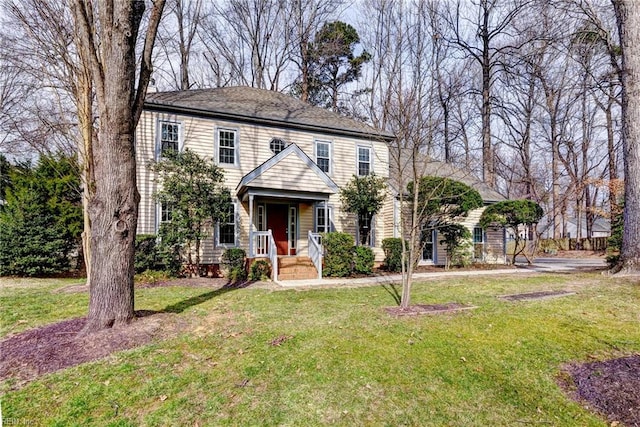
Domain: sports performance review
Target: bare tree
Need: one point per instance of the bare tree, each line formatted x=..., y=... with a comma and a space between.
x=107, y=34
x=492, y=24
x=403, y=100
x=628, y=18
x=177, y=38
x=253, y=39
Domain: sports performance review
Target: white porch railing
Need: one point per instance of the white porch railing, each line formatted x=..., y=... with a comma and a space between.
x=261, y=243
x=265, y=247
x=273, y=256
x=315, y=251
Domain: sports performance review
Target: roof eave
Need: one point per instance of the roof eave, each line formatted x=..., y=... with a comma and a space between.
x=154, y=106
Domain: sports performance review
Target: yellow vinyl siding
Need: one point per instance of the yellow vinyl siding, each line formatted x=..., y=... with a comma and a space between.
x=252, y=143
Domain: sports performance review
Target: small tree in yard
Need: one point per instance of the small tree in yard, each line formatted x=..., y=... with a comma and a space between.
x=512, y=214
x=439, y=201
x=364, y=196
x=455, y=238
x=193, y=198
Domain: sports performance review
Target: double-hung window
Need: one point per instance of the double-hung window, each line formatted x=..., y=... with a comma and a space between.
x=323, y=224
x=227, y=146
x=227, y=228
x=323, y=156
x=364, y=161
x=169, y=137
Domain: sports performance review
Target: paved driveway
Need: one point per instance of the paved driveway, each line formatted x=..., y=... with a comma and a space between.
x=565, y=264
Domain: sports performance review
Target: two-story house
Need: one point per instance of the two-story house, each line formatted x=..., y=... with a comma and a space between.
x=284, y=162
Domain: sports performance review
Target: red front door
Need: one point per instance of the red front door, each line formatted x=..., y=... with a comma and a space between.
x=277, y=219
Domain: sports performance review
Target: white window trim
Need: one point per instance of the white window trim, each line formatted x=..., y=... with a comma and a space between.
x=321, y=206
x=315, y=153
x=368, y=148
x=236, y=148
x=236, y=226
x=159, y=122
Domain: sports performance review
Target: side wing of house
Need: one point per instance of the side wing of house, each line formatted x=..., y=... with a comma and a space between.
x=281, y=179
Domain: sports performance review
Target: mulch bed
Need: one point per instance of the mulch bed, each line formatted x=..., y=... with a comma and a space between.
x=611, y=387
x=536, y=295
x=35, y=352
x=417, y=309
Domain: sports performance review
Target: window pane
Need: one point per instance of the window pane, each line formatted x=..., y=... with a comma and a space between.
x=165, y=212
x=169, y=138
x=227, y=147
x=277, y=145
x=323, y=156
x=228, y=229
x=363, y=169
x=364, y=230
x=320, y=220
x=364, y=161
x=323, y=164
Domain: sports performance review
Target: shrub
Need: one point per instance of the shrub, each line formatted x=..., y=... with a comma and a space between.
x=392, y=248
x=146, y=253
x=233, y=260
x=338, y=254
x=40, y=216
x=260, y=270
x=363, y=258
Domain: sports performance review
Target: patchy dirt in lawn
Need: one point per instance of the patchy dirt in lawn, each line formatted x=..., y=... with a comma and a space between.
x=32, y=353
x=418, y=309
x=611, y=387
x=35, y=352
x=536, y=295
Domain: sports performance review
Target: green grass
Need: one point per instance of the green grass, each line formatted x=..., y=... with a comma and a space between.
x=347, y=362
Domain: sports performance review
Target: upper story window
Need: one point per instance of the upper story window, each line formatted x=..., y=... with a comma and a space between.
x=323, y=156
x=364, y=161
x=277, y=145
x=227, y=147
x=169, y=137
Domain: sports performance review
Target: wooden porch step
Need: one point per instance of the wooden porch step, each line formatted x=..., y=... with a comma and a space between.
x=296, y=268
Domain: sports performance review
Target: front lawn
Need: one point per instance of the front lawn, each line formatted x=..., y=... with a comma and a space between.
x=334, y=356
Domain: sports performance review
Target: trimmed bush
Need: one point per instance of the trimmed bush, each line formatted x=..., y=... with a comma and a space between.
x=260, y=270
x=233, y=261
x=338, y=254
x=363, y=258
x=392, y=248
x=146, y=253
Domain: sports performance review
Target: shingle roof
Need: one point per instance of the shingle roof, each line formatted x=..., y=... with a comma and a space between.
x=429, y=167
x=260, y=106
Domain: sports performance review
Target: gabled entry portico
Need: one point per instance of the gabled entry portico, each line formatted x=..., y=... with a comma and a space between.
x=281, y=195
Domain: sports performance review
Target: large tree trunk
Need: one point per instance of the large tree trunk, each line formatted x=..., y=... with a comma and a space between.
x=628, y=16
x=113, y=212
x=107, y=36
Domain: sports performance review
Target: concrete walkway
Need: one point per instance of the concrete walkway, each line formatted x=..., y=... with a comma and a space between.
x=397, y=278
